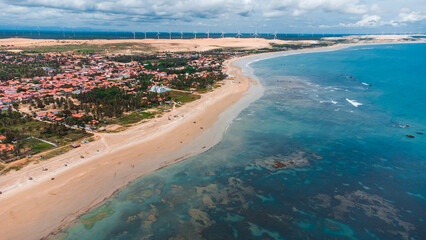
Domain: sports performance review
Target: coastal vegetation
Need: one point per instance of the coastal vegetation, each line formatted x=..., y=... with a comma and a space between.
x=85, y=48
x=24, y=66
x=136, y=117
x=54, y=95
x=23, y=136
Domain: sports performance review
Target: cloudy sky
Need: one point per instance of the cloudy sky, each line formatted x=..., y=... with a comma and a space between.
x=301, y=16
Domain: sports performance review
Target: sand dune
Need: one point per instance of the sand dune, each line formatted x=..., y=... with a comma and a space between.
x=172, y=45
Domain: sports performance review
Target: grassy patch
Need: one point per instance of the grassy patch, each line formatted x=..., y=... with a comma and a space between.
x=56, y=152
x=136, y=117
x=15, y=167
x=183, y=96
x=76, y=135
x=204, y=90
x=41, y=146
x=36, y=145
x=217, y=85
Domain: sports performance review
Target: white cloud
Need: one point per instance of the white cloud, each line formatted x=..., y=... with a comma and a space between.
x=366, y=21
x=405, y=16
x=198, y=8
x=300, y=7
x=375, y=8
x=298, y=12
x=342, y=6
x=410, y=16
x=248, y=13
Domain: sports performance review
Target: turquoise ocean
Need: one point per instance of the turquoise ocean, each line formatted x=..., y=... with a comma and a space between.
x=337, y=122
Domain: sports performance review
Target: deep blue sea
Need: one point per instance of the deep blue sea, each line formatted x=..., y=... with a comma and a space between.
x=349, y=172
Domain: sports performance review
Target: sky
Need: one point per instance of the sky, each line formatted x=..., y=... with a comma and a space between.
x=263, y=16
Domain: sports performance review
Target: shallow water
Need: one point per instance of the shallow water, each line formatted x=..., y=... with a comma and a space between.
x=347, y=172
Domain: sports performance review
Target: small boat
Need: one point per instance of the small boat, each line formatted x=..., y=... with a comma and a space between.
x=410, y=136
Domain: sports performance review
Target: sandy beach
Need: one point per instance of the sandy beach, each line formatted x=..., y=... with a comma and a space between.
x=33, y=209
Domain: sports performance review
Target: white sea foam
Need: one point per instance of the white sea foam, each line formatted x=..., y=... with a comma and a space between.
x=331, y=101
x=353, y=102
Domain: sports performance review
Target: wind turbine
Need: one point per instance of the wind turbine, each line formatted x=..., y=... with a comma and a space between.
x=158, y=35
x=255, y=35
x=38, y=29
x=275, y=35
x=208, y=34
x=195, y=34
x=170, y=35
x=238, y=35
x=181, y=35
x=223, y=34
x=134, y=35
x=145, y=35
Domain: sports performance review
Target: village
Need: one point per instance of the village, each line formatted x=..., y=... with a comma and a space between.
x=57, y=99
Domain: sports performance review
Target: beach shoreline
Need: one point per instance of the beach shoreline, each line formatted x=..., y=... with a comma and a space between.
x=212, y=114
x=43, y=206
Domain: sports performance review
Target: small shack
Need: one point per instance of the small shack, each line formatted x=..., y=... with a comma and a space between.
x=75, y=145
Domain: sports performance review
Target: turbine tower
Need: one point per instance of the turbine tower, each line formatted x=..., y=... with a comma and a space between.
x=238, y=35
x=275, y=35
x=223, y=34
x=158, y=35
x=255, y=35
x=134, y=35
x=145, y=35
x=195, y=34
x=181, y=35
x=170, y=35
x=208, y=34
